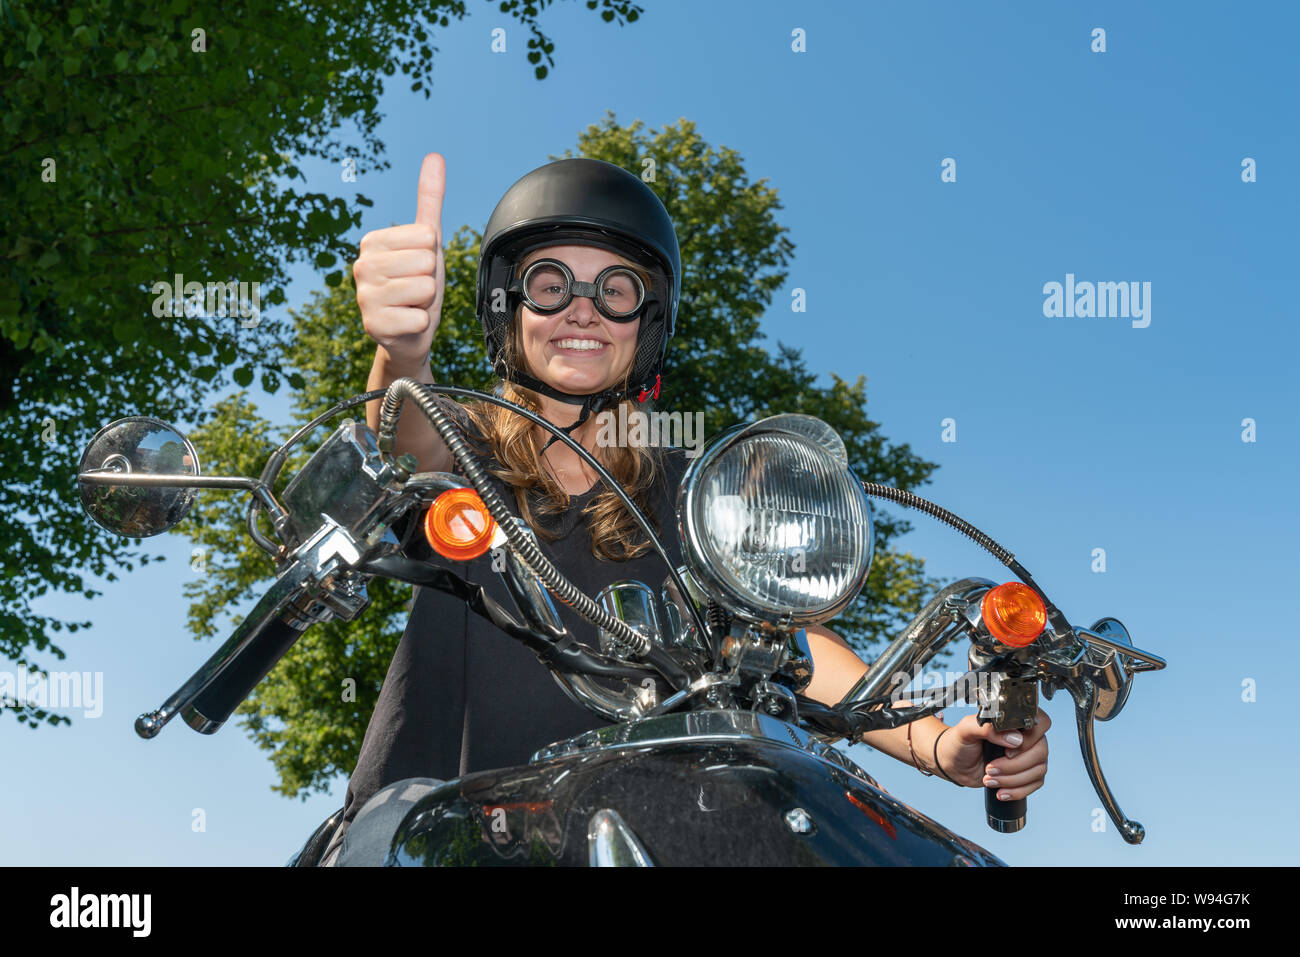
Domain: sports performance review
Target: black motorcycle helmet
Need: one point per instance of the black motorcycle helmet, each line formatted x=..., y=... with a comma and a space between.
x=592, y=203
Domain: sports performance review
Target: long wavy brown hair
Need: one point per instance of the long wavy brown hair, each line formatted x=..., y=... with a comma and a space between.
x=615, y=536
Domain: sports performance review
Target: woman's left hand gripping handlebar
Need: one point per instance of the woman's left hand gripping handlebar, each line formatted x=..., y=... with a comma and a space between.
x=1017, y=774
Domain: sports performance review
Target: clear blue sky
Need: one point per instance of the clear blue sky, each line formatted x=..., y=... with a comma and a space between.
x=1072, y=434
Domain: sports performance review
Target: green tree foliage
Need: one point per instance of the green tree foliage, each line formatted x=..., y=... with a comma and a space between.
x=147, y=139
x=311, y=711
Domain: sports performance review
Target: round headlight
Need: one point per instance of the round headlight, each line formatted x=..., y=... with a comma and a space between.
x=774, y=524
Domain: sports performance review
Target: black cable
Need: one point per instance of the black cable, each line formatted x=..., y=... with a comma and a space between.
x=853, y=720
x=568, y=656
x=910, y=500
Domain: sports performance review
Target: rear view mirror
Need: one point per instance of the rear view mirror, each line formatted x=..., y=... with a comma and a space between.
x=137, y=445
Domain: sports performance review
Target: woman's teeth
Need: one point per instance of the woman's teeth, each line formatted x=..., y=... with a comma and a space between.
x=580, y=344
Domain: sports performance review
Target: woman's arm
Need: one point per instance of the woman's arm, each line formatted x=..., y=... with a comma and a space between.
x=961, y=754
x=836, y=668
x=400, y=277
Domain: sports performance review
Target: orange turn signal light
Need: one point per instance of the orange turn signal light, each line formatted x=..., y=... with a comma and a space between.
x=458, y=525
x=1014, y=614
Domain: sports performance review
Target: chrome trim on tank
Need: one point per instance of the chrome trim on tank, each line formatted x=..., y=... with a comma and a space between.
x=695, y=727
x=611, y=843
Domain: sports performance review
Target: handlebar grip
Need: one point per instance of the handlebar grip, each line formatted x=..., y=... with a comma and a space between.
x=1004, y=816
x=223, y=695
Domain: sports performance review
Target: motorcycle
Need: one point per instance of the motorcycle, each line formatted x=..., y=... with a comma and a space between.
x=702, y=679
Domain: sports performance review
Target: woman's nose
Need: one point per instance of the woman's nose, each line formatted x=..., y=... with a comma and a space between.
x=583, y=311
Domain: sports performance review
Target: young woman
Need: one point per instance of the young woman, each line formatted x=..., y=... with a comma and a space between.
x=578, y=281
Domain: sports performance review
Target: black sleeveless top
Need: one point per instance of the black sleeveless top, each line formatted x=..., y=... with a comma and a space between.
x=461, y=696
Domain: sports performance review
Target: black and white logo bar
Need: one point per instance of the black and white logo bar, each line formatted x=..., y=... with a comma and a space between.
x=102, y=910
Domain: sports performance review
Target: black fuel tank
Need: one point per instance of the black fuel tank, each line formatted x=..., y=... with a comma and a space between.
x=706, y=788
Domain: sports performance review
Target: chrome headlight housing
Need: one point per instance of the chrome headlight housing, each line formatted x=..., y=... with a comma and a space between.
x=774, y=525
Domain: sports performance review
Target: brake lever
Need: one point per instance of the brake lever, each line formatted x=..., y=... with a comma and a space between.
x=1077, y=675
x=1084, y=693
x=268, y=609
x=319, y=584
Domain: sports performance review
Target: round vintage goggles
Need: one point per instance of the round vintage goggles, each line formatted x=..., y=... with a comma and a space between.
x=548, y=286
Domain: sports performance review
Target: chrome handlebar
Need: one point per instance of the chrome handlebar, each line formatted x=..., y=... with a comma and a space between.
x=337, y=519
x=1096, y=666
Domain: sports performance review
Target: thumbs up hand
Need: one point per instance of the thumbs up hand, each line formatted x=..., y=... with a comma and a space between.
x=400, y=274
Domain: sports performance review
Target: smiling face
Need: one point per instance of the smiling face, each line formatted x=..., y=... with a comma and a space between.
x=577, y=350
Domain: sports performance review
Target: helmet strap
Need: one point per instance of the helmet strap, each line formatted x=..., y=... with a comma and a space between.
x=590, y=404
